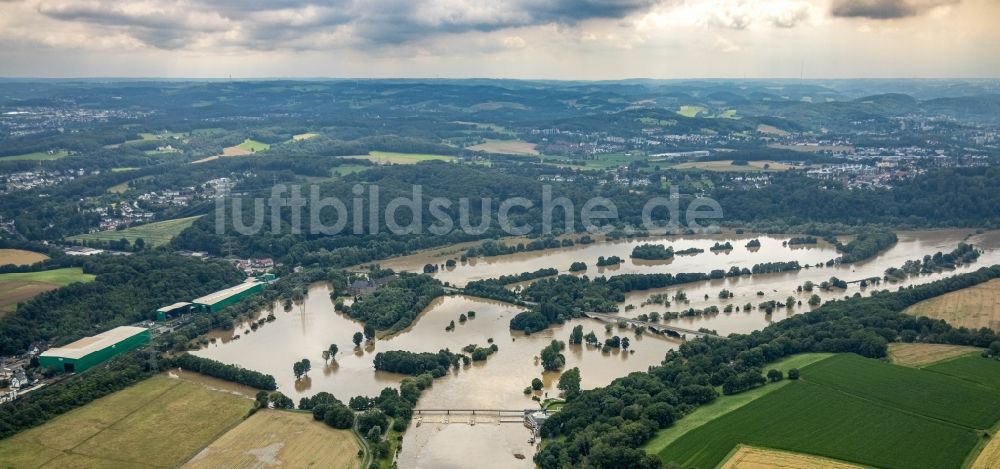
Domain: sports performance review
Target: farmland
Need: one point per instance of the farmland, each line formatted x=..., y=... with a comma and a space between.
x=726, y=404
x=510, y=147
x=691, y=111
x=972, y=368
x=748, y=457
x=305, y=136
x=18, y=287
x=154, y=234
x=854, y=410
x=157, y=422
x=252, y=146
x=921, y=355
x=387, y=157
x=39, y=156
x=20, y=257
x=272, y=437
x=990, y=457
x=972, y=307
x=727, y=165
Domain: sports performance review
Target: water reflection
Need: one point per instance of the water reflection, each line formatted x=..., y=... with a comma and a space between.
x=312, y=325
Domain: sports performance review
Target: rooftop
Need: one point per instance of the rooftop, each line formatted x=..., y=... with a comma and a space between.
x=179, y=304
x=212, y=298
x=88, y=345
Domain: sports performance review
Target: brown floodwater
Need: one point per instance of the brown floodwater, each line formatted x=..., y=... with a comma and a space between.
x=312, y=325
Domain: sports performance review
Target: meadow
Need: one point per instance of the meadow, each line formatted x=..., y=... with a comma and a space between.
x=252, y=146
x=509, y=147
x=973, y=307
x=38, y=156
x=388, y=157
x=289, y=439
x=691, y=111
x=158, y=422
x=154, y=234
x=727, y=165
x=855, y=410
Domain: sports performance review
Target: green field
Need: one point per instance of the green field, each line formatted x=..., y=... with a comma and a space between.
x=38, y=156
x=837, y=411
x=61, y=277
x=253, y=146
x=726, y=404
x=159, y=422
x=388, y=157
x=600, y=162
x=340, y=171
x=22, y=286
x=154, y=234
x=931, y=394
x=123, y=169
x=973, y=368
x=691, y=111
x=119, y=188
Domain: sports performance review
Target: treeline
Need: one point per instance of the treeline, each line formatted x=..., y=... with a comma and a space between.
x=491, y=248
x=48, y=402
x=126, y=289
x=865, y=245
x=395, y=306
x=496, y=288
x=963, y=254
x=606, y=427
x=802, y=240
x=568, y=296
x=413, y=363
x=652, y=252
x=772, y=267
x=206, y=366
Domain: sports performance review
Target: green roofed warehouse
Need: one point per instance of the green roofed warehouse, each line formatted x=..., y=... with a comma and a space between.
x=90, y=351
x=214, y=302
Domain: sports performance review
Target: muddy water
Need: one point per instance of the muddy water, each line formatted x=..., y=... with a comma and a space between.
x=311, y=326
x=771, y=250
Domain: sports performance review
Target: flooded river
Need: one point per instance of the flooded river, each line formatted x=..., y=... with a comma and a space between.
x=498, y=383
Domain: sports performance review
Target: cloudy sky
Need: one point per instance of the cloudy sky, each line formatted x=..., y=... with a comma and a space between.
x=562, y=39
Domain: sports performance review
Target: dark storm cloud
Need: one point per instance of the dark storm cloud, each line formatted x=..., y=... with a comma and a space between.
x=289, y=23
x=884, y=9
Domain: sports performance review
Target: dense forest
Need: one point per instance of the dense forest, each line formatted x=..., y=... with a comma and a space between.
x=605, y=427
x=653, y=252
x=413, y=363
x=396, y=305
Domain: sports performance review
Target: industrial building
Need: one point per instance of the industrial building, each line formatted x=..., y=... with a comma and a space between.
x=214, y=302
x=177, y=308
x=90, y=351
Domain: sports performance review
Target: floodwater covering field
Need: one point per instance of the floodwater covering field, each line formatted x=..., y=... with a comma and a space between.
x=498, y=383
